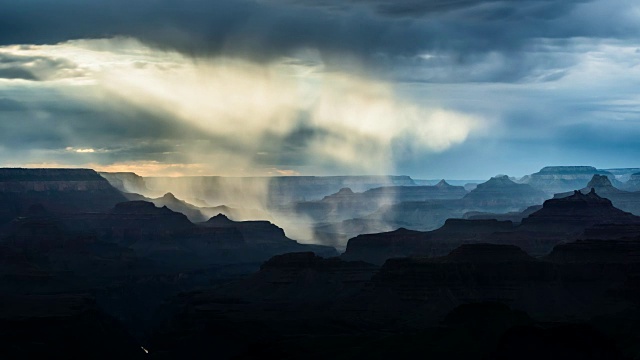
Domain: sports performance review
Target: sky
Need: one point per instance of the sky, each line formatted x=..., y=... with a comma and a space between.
x=462, y=89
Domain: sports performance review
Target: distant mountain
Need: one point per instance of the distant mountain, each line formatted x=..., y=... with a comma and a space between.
x=273, y=191
x=559, y=220
x=498, y=195
x=501, y=194
x=170, y=201
x=633, y=184
x=623, y=174
x=556, y=179
x=515, y=217
x=346, y=204
x=396, y=194
x=624, y=200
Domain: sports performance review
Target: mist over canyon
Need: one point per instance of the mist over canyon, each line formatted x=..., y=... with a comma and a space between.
x=167, y=266
x=289, y=179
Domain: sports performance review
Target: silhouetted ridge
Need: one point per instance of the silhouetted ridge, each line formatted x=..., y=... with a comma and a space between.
x=482, y=225
x=489, y=253
x=624, y=200
x=574, y=214
x=169, y=196
x=578, y=199
x=308, y=260
x=596, y=251
x=140, y=207
x=220, y=220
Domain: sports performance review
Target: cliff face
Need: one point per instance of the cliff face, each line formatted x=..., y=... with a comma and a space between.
x=58, y=190
x=44, y=180
x=127, y=182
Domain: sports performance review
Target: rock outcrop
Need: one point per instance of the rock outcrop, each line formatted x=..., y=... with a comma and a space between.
x=624, y=200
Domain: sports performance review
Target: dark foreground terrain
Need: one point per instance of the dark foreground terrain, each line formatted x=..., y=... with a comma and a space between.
x=91, y=271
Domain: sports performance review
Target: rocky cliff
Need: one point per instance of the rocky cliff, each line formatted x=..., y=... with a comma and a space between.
x=127, y=182
x=58, y=190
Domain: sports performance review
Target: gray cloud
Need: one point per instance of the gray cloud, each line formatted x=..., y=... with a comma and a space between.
x=381, y=34
x=36, y=68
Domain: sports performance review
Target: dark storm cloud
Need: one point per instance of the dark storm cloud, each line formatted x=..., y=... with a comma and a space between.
x=489, y=9
x=56, y=122
x=382, y=34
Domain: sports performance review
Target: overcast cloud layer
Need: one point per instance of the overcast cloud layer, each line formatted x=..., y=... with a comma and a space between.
x=431, y=88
